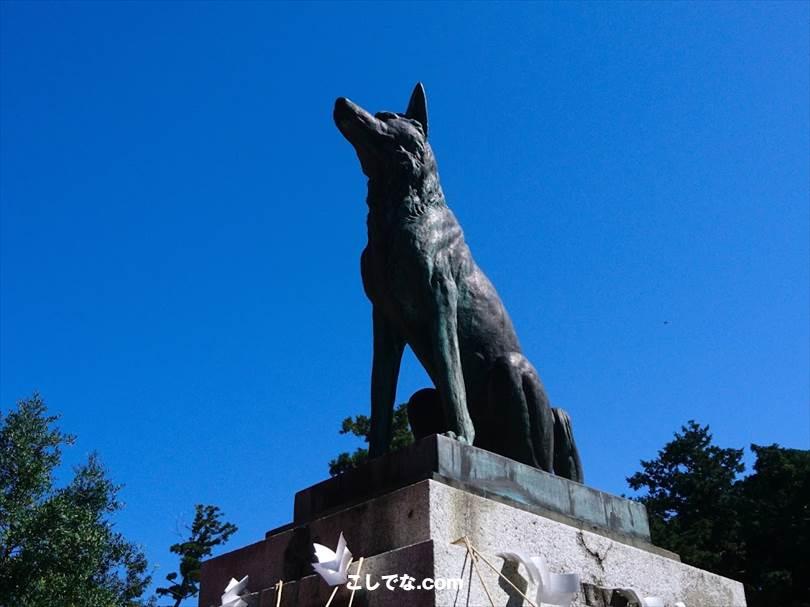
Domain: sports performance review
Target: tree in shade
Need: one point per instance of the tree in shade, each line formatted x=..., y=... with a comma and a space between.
x=754, y=529
x=360, y=426
x=207, y=531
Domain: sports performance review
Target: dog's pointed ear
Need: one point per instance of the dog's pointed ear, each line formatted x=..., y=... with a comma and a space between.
x=417, y=107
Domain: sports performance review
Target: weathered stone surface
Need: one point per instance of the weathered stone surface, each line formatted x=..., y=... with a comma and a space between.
x=443, y=459
x=413, y=529
x=600, y=561
x=395, y=520
x=311, y=591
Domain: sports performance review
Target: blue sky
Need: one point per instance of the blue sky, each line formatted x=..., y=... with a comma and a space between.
x=181, y=226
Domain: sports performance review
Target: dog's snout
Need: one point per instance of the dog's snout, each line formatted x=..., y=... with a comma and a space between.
x=343, y=112
x=344, y=106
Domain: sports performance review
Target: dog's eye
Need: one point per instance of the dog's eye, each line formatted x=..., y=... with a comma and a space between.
x=385, y=115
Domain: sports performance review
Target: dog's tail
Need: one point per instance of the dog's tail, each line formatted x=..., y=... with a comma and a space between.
x=566, y=454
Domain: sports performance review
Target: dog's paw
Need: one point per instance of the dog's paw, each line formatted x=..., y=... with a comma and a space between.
x=458, y=437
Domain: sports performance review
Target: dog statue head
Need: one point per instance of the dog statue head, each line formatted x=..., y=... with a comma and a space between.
x=392, y=147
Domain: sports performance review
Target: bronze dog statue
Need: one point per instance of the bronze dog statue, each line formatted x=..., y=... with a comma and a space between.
x=427, y=292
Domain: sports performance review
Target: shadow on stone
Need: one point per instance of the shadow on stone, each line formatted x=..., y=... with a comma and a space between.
x=510, y=571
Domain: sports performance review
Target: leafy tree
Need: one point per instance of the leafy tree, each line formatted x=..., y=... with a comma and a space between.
x=775, y=515
x=691, y=499
x=207, y=531
x=754, y=529
x=360, y=426
x=58, y=546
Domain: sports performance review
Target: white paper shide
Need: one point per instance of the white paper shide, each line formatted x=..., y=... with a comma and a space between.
x=233, y=590
x=552, y=588
x=637, y=598
x=332, y=566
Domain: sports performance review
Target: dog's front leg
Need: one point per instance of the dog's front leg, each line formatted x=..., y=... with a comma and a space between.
x=449, y=374
x=388, y=347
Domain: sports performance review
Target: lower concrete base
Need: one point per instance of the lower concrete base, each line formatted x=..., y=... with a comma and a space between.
x=413, y=530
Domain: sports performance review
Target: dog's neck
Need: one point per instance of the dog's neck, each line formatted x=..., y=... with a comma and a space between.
x=393, y=202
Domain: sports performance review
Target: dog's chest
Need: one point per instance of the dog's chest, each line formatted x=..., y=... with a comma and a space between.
x=396, y=280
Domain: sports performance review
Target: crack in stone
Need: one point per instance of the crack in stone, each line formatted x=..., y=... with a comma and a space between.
x=600, y=558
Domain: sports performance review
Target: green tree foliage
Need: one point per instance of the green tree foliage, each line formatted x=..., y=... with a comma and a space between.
x=207, y=531
x=775, y=516
x=58, y=546
x=359, y=426
x=754, y=529
x=691, y=499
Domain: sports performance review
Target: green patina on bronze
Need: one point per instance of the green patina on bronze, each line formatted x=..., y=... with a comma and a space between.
x=427, y=292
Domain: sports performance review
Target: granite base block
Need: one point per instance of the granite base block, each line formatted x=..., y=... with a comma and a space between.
x=412, y=530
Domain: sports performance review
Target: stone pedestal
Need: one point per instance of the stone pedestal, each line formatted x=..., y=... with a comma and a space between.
x=405, y=512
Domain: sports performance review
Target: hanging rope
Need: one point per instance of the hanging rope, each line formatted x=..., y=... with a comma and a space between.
x=335, y=589
x=359, y=567
x=474, y=561
x=508, y=581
